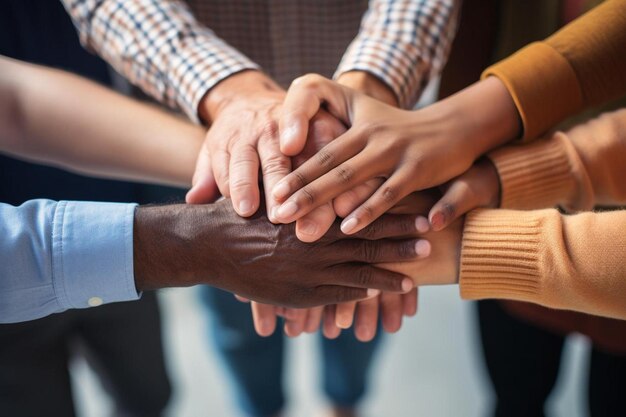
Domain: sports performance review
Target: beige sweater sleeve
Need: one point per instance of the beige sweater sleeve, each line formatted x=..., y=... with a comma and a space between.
x=576, y=170
x=566, y=262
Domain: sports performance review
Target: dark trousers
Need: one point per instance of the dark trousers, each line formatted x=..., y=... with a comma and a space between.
x=523, y=363
x=121, y=341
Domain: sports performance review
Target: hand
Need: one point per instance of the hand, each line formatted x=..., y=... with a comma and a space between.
x=477, y=187
x=409, y=150
x=242, y=111
x=182, y=245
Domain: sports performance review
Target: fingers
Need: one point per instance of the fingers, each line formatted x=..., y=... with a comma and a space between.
x=345, y=203
x=366, y=319
x=303, y=101
x=392, y=191
x=397, y=225
x=381, y=251
x=409, y=302
x=294, y=324
x=220, y=160
x=365, y=277
x=244, y=181
x=325, y=176
x=337, y=294
x=314, y=319
x=344, y=315
x=330, y=328
x=391, y=306
x=315, y=224
x=478, y=187
x=264, y=317
x=274, y=167
x=204, y=188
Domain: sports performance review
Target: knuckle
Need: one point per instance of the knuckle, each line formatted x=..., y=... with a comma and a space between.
x=324, y=158
x=370, y=252
x=366, y=212
x=308, y=195
x=364, y=277
x=237, y=184
x=389, y=194
x=345, y=174
x=299, y=179
x=373, y=231
x=274, y=165
x=270, y=129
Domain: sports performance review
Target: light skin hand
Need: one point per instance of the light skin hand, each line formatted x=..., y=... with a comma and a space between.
x=409, y=150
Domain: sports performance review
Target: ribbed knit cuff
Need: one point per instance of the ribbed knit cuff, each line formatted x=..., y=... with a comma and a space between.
x=542, y=174
x=500, y=255
x=543, y=85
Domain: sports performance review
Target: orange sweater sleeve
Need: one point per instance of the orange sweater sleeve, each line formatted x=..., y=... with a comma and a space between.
x=576, y=170
x=581, y=65
x=573, y=262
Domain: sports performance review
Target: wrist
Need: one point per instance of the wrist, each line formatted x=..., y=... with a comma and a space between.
x=370, y=85
x=481, y=117
x=239, y=86
x=172, y=246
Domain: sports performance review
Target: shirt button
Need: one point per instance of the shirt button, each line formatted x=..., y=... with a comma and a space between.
x=94, y=302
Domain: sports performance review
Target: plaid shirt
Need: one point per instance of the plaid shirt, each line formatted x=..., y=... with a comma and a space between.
x=166, y=47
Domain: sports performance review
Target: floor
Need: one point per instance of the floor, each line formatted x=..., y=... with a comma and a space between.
x=432, y=367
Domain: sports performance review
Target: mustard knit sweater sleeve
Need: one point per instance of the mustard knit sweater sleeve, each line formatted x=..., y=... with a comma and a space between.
x=582, y=65
x=568, y=262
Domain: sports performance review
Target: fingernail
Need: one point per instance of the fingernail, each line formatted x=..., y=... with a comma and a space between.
x=273, y=214
x=372, y=293
x=422, y=248
x=286, y=210
x=308, y=227
x=437, y=220
x=407, y=285
x=421, y=224
x=245, y=207
x=281, y=190
x=348, y=225
x=365, y=332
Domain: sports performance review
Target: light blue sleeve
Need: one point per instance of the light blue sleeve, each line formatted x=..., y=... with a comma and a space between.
x=57, y=256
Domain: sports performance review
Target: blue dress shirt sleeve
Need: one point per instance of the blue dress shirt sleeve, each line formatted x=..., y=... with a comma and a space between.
x=60, y=255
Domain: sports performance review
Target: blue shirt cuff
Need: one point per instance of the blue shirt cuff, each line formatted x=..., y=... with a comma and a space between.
x=92, y=253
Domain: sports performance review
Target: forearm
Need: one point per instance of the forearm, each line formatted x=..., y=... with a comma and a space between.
x=60, y=255
x=576, y=170
x=565, y=262
x=159, y=46
x=403, y=44
x=67, y=121
x=581, y=65
x=478, y=119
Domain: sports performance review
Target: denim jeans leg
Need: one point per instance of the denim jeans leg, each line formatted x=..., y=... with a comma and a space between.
x=254, y=364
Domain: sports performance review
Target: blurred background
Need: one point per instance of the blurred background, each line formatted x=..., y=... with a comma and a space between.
x=432, y=367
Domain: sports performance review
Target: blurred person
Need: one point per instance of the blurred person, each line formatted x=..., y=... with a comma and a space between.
x=121, y=342
x=226, y=64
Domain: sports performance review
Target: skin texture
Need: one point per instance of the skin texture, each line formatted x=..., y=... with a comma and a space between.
x=183, y=245
x=409, y=151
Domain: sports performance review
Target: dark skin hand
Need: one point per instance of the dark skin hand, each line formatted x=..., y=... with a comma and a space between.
x=184, y=245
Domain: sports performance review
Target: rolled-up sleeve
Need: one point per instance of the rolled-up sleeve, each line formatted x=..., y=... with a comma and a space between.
x=404, y=43
x=60, y=255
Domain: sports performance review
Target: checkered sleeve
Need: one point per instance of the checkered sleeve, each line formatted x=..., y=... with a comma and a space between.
x=159, y=46
x=403, y=43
